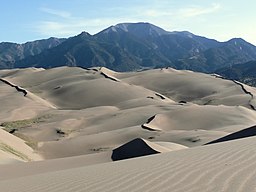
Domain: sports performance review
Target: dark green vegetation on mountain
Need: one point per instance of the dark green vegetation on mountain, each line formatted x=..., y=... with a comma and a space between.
x=130, y=46
x=10, y=53
x=245, y=72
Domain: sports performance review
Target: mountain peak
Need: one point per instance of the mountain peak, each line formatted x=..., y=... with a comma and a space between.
x=143, y=29
x=236, y=40
x=82, y=36
x=183, y=33
x=240, y=42
x=140, y=29
x=84, y=33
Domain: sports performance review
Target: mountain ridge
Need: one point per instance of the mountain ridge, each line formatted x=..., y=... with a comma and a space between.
x=137, y=46
x=244, y=72
x=11, y=52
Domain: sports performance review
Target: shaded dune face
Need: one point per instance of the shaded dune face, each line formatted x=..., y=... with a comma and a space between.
x=134, y=148
x=141, y=147
x=71, y=111
x=248, y=132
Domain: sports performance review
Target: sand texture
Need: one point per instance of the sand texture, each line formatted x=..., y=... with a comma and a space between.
x=75, y=129
x=227, y=166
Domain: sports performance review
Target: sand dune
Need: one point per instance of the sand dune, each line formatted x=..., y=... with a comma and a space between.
x=140, y=147
x=194, y=117
x=227, y=166
x=15, y=106
x=14, y=148
x=189, y=86
x=135, y=148
x=77, y=88
x=75, y=119
x=16, y=169
x=87, y=112
x=248, y=132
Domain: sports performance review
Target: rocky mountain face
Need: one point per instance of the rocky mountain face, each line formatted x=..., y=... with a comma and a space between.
x=12, y=52
x=244, y=72
x=138, y=46
x=226, y=54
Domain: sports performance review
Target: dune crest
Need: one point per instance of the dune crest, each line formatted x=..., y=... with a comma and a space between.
x=140, y=147
x=135, y=148
x=248, y=132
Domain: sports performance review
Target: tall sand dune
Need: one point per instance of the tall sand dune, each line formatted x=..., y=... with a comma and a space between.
x=73, y=111
x=76, y=119
x=189, y=86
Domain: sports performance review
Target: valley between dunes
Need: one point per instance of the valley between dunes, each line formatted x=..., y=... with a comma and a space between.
x=77, y=129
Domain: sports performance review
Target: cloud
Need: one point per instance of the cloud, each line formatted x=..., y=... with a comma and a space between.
x=74, y=26
x=53, y=28
x=59, y=13
x=169, y=16
x=65, y=24
x=157, y=13
x=197, y=11
x=61, y=24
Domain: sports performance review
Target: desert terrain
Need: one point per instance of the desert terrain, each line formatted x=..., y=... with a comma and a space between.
x=79, y=129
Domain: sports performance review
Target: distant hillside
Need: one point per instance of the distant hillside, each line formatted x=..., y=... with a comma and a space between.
x=235, y=51
x=85, y=51
x=12, y=52
x=243, y=72
x=136, y=46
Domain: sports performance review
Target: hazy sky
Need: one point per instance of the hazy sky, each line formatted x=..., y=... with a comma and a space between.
x=26, y=20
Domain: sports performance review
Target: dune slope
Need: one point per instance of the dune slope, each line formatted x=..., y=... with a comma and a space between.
x=227, y=166
x=71, y=111
x=157, y=122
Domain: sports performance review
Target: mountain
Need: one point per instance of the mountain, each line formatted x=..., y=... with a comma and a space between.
x=85, y=51
x=232, y=52
x=11, y=52
x=154, y=46
x=136, y=46
x=242, y=72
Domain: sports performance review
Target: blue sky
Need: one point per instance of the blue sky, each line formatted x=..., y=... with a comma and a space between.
x=27, y=20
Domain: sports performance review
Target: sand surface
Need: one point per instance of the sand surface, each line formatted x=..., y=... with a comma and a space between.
x=62, y=128
x=227, y=166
